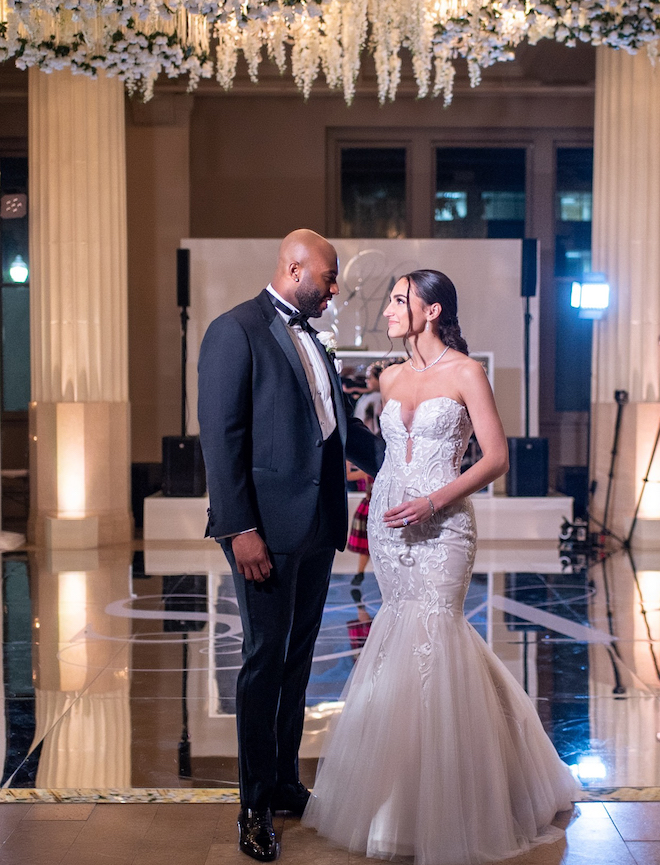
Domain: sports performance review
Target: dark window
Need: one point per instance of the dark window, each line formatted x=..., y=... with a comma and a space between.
x=573, y=211
x=479, y=192
x=572, y=259
x=373, y=192
x=14, y=256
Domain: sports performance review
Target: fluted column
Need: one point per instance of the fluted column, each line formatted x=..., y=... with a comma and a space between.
x=626, y=246
x=82, y=663
x=80, y=431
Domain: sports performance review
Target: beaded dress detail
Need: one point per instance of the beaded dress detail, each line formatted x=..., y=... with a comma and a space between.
x=439, y=754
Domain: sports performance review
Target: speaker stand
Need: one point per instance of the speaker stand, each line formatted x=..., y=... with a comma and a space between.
x=184, y=361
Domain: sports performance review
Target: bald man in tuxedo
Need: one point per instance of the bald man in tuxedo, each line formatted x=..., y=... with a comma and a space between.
x=275, y=435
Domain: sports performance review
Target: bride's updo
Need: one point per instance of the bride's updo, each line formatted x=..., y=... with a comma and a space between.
x=431, y=286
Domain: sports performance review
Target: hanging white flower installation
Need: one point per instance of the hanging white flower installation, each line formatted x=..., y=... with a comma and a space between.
x=140, y=39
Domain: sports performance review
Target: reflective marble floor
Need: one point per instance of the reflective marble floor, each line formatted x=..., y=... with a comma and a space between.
x=622, y=833
x=119, y=668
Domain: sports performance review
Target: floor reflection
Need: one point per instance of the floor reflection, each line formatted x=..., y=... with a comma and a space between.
x=119, y=667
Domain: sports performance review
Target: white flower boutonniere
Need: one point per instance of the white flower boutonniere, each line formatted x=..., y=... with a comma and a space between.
x=329, y=342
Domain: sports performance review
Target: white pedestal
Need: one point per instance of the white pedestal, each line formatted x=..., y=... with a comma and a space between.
x=646, y=536
x=521, y=519
x=172, y=519
x=498, y=518
x=72, y=534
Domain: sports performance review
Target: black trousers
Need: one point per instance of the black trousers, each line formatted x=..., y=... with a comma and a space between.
x=281, y=618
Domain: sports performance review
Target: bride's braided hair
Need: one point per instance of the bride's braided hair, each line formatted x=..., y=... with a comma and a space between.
x=431, y=286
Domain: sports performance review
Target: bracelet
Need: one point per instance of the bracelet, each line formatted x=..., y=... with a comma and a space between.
x=431, y=505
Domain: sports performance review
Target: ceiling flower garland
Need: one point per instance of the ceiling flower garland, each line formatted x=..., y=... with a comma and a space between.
x=140, y=39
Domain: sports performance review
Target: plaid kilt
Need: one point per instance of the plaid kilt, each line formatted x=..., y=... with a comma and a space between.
x=357, y=539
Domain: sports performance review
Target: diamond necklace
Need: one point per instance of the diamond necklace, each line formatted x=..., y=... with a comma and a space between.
x=433, y=362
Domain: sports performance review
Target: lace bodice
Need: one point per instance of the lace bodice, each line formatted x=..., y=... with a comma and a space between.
x=440, y=431
x=430, y=564
x=419, y=460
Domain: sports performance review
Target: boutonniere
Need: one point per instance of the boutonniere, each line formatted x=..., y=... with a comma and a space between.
x=329, y=342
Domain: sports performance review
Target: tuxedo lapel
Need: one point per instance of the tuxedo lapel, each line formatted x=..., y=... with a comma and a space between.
x=283, y=337
x=279, y=331
x=337, y=391
x=281, y=334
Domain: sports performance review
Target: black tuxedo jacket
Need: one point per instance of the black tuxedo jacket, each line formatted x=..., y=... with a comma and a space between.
x=260, y=434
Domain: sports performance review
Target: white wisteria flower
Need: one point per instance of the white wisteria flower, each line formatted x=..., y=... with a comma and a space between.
x=138, y=40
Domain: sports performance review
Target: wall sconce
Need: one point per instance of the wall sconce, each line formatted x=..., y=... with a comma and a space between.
x=18, y=270
x=13, y=206
x=591, y=296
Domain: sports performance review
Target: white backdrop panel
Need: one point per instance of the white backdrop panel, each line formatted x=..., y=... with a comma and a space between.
x=486, y=274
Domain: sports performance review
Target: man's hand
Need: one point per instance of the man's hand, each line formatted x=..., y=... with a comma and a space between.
x=251, y=554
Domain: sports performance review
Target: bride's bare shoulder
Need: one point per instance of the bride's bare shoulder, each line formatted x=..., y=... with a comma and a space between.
x=467, y=365
x=390, y=373
x=387, y=378
x=469, y=373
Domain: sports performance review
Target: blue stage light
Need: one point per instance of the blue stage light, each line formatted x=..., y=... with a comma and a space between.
x=591, y=296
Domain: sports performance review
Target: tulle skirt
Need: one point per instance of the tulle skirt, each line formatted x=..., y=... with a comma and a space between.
x=441, y=758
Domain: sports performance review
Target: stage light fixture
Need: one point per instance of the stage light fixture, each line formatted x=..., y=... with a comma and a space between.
x=589, y=768
x=591, y=296
x=18, y=270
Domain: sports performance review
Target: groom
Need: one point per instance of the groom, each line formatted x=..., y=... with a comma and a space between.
x=275, y=437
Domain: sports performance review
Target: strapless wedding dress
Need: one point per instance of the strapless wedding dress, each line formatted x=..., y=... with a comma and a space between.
x=438, y=754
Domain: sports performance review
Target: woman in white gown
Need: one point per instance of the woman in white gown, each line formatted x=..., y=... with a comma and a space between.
x=438, y=754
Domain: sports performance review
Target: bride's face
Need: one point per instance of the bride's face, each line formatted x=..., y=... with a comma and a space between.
x=402, y=321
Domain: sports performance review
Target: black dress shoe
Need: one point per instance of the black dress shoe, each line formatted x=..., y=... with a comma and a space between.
x=356, y=594
x=256, y=835
x=291, y=798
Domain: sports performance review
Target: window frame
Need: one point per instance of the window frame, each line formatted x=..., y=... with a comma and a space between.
x=366, y=140
x=503, y=142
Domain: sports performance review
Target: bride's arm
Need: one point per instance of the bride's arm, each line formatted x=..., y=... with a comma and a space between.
x=476, y=393
x=478, y=397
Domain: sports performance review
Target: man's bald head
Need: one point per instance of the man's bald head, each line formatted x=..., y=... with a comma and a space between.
x=299, y=248
x=306, y=274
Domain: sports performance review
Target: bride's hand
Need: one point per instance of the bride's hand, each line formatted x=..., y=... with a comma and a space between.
x=409, y=513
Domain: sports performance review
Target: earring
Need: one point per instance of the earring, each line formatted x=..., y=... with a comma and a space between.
x=296, y=279
x=428, y=325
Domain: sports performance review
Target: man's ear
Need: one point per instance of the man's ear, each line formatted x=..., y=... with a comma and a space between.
x=294, y=271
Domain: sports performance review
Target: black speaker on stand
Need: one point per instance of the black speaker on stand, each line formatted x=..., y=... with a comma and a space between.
x=528, y=280
x=184, y=475
x=183, y=465
x=528, y=456
x=528, y=467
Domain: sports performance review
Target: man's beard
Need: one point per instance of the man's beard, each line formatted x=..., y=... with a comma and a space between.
x=309, y=299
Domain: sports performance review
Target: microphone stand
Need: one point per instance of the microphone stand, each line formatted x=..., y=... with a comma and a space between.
x=528, y=322
x=184, y=359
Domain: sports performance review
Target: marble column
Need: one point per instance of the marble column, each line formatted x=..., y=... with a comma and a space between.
x=82, y=662
x=626, y=247
x=158, y=172
x=79, y=417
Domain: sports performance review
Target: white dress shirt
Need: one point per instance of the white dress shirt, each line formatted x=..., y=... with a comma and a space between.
x=316, y=371
x=317, y=376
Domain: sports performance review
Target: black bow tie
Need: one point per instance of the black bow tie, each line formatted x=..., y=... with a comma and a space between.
x=298, y=318
x=295, y=318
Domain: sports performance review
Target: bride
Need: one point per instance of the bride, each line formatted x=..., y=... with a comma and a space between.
x=438, y=754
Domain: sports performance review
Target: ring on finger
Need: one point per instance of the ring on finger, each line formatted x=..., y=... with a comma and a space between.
x=405, y=521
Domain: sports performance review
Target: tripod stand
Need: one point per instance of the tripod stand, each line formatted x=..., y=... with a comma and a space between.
x=621, y=398
x=645, y=480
